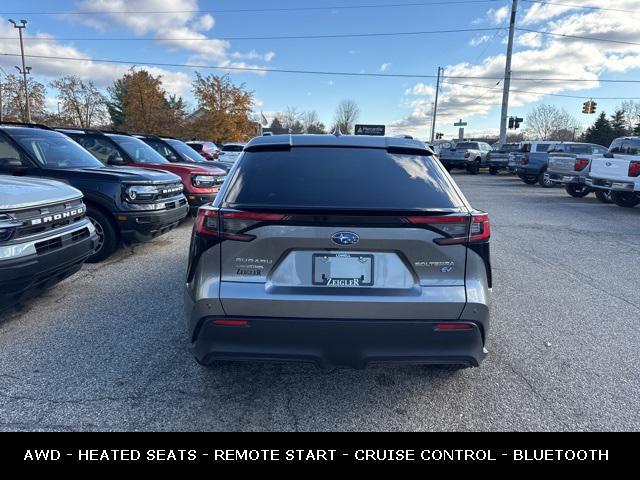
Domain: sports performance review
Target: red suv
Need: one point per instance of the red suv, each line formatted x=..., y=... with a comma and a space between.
x=208, y=150
x=201, y=183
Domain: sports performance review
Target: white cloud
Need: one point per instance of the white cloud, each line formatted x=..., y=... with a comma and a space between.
x=537, y=56
x=498, y=15
x=168, y=29
x=253, y=55
x=384, y=67
x=478, y=40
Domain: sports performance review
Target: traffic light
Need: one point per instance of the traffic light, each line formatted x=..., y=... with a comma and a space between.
x=439, y=136
x=516, y=122
x=592, y=106
x=585, y=107
x=510, y=123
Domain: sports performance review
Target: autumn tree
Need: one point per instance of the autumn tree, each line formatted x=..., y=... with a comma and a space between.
x=13, y=103
x=346, y=116
x=225, y=109
x=139, y=103
x=83, y=105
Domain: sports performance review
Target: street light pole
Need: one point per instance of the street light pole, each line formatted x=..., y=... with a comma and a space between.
x=507, y=75
x=25, y=70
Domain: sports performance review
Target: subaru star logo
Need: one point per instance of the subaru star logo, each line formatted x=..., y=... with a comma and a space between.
x=345, y=238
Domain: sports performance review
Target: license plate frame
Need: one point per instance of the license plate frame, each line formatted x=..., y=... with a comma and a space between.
x=341, y=282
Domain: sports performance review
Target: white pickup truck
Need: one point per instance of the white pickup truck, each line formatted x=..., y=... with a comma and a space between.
x=618, y=171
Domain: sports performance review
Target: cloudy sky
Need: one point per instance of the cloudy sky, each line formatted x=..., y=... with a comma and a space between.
x=205, y=32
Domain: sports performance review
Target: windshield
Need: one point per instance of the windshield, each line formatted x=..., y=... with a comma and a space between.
x=139, y=151
x=185, y=151
x=54, y=150
x=509, y=147
x=340, y=178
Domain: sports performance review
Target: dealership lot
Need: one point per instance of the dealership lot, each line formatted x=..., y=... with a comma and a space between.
x=107, y=348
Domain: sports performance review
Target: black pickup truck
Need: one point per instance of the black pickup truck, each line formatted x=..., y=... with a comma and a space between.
x=124, y=204
x=44, y=236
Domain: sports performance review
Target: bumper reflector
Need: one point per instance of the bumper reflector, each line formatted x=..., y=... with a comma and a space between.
x=454, y=326
x=231, y=323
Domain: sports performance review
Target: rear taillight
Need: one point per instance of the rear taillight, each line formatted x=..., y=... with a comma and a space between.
x=457, y=228
x=525, y=160
x=634, y=168
x=454, y=326
x=580, y=164
x=231, y=225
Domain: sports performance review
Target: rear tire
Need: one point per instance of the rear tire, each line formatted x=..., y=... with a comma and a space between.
x=576, y=190
x=625, y=199
x=529, y=179
x=474, y=168
x=604, y=196
x=107, y=235
x=493, y=170
x=545, y=181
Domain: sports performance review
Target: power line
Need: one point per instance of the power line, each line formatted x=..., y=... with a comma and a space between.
x=315, y=72
x=274, y=37
x=578, y=37
x=587, y=7
x=542, y=93
x=258, y=10
x=324, y=36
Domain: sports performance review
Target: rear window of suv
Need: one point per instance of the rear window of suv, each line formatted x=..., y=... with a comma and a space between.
x=340, y=178
x=467, y=146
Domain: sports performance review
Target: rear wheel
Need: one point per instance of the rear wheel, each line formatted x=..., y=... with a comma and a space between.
x=107, y=235
x=529, y=179
x=625, y=199
x=474, y=168
x=493, y=170
x=545, y=180
x=576, y=190
x=604, y=196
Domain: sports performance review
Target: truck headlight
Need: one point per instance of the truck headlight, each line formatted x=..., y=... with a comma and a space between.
x=204, y=180
x=8, y=227
x=141, y=192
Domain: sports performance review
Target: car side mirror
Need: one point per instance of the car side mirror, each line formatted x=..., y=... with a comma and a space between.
x=12, y=166
x=115, y=159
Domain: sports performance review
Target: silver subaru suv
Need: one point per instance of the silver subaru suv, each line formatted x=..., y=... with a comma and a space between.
x=339, y=250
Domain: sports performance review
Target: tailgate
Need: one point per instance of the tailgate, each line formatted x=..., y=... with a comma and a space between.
x=611, y=169
x=352, y=268
x=562, y=163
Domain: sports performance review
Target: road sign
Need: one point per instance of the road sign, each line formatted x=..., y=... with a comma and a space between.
x=370, y=130
x=460, y=124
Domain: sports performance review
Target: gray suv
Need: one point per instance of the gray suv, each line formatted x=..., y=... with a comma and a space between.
x=339, y=250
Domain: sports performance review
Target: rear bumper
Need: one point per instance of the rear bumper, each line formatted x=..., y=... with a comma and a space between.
x=333, y=342
x=143, y=226
x=456, y=163
x=499, y=163
x=21, y=276
x=610, y=184
x=566, y=178
x=526, y=171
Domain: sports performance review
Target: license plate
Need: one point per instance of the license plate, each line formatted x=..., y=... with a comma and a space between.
x=342, y=269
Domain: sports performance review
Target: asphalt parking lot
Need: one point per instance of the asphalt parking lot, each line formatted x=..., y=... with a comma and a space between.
x=107, y=349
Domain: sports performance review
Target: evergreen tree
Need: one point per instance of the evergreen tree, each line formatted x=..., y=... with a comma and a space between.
x=619, y=124
x=601, y=132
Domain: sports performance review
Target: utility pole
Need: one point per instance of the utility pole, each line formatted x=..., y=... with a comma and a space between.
x=1, y=109
x=507, y=75
x=25, y=70
x=435, y=105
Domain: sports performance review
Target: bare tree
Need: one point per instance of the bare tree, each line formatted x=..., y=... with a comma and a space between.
x=346, y=116
x=311, y=122
x=82, y=103
x=631, y=111
x=546, y=122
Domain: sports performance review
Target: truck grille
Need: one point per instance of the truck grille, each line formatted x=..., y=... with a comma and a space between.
x=45, y=219
x=169, y=190
x=63, y=240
